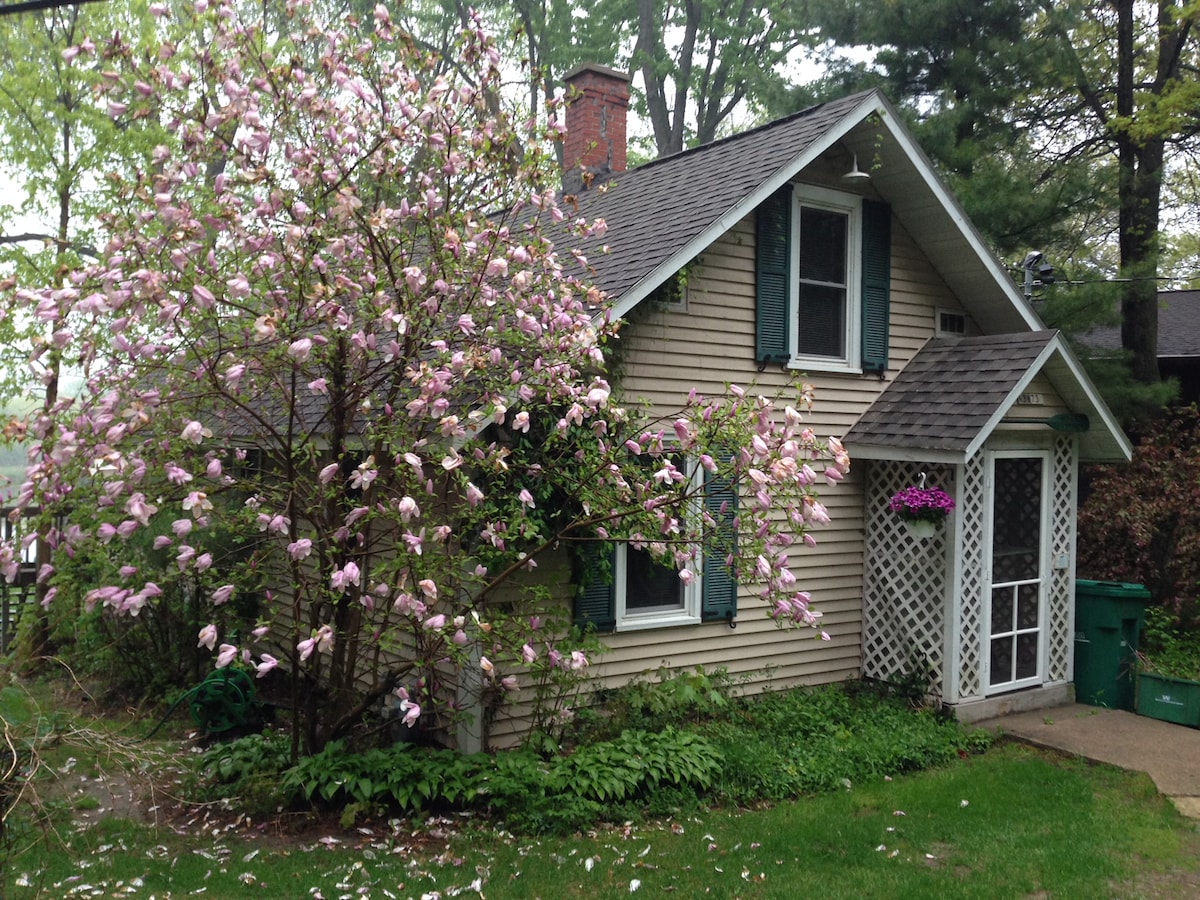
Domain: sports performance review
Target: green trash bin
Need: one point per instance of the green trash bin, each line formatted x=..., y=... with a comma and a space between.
x=1109, y=616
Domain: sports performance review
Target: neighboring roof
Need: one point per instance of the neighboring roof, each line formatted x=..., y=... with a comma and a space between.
x=949, y=399
x=662, y=215
x=1178, y=327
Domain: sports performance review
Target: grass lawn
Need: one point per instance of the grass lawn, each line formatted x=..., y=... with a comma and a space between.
x=1013, y=822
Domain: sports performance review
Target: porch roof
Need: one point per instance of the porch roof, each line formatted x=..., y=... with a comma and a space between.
x=949, y=399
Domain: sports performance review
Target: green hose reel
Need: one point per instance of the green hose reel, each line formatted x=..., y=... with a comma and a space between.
x=223, y=701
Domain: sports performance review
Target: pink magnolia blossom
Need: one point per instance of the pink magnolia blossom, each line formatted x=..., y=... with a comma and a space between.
x=177, y=475
x=267, y=663
x=197, y=503
x=300, y=549
x=208, y=637
x=140, y=509
x=300, y=349
x=320, y=642
x=226, y=654
x=194, y=432
x=411, y=710
x=343, y=578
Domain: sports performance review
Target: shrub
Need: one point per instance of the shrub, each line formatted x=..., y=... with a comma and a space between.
x=677, y=698
x=1169, y=649
x=765, y=748
x=1141, y=522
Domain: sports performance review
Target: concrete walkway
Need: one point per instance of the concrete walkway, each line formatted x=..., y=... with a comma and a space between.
x=1169, y=754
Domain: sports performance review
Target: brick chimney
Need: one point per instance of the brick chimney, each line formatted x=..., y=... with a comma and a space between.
x=597, y=103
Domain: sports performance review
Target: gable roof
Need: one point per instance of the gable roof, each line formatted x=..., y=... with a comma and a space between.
x=1178, y=327
x=955, y=392
x=661, y=215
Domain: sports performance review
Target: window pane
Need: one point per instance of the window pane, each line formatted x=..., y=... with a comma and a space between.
x=649, y=584
x=822, y=321
x=1016, y=519
x=1027, y=605
x=1027, y=652
x=823, y=246
x=1002, y=610
x=1001, y=663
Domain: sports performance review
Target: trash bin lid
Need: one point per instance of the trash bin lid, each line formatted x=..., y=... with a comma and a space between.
x=1117, y=589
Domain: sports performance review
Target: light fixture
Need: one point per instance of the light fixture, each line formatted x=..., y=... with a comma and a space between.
x=855, y=173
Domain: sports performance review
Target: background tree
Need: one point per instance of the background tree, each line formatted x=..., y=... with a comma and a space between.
x=701, y=61
x=350, y=350
x=1054, y=124
x=55, y=139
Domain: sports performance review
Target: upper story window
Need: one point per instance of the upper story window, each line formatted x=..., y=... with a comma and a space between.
x=824, y=272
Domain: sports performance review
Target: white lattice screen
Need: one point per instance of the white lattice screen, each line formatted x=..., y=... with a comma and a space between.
x=1062, y=508
x=906, y=594
x=971, y=572
x=904, y=583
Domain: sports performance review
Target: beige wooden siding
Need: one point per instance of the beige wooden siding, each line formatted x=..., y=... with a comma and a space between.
x=666, y=353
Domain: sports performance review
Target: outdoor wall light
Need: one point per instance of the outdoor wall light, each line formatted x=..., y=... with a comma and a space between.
x=855, y=173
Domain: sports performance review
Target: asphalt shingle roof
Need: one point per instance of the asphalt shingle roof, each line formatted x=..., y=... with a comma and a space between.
x=949, y=392
x=656, y=210
x=1178, y=327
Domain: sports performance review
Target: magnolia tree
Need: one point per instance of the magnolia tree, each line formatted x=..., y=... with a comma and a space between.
x=337, y=375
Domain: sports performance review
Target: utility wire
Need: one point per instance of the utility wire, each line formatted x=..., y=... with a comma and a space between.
x=11, y=9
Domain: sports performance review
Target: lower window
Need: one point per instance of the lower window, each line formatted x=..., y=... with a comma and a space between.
x=650, y=594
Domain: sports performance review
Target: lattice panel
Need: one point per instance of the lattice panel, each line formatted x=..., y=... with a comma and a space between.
x=904, y=582
x=968, y=629
x=1062, y=517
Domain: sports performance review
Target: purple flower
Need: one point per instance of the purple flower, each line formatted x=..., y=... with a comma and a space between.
x=922, y=504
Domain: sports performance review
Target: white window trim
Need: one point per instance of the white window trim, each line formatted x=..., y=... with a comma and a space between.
x=689, y=612
x=851, y=206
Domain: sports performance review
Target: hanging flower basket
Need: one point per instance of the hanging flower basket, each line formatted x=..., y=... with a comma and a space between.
x=922, y=508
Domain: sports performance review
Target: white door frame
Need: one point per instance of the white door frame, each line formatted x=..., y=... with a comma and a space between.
x=1044, y=534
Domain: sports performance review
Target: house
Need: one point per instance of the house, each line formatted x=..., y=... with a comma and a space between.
x=1178, y=341
x=824, y=243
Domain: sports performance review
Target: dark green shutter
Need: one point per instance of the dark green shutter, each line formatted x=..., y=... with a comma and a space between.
x=876, y=283
x=718, y=583
x=773, y=243
x=596, y=600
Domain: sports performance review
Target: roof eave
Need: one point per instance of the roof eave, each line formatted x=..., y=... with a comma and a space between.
x=906, y=454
